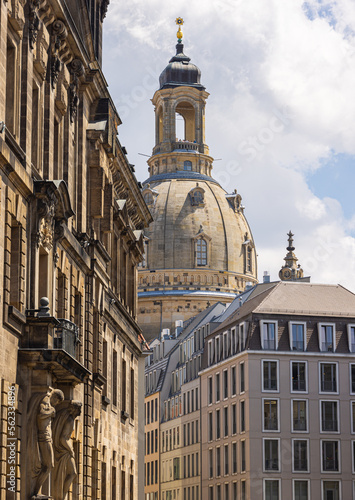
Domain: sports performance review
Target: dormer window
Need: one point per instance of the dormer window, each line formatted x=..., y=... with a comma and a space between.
x=268, y=332
x=297, y=333
x=351, y=337
x=326, y=337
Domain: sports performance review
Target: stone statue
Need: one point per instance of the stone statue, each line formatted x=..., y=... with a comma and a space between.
x=41, y=412
x=64, y=471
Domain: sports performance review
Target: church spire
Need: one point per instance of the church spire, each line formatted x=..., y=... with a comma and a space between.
x=290, y=271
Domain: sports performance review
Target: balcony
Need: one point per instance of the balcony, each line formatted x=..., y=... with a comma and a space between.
x=330, y=425
x=327, y=346
x=66, y=337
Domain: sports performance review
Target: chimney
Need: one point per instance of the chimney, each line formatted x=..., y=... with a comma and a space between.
x=266, y=277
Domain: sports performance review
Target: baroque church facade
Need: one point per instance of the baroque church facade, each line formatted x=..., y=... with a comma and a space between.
x=199, y=249
x=71, y=237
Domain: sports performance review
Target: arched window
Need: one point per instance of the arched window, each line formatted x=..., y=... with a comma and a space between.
x=187, y=165
x=249, y=260
x=201, y=252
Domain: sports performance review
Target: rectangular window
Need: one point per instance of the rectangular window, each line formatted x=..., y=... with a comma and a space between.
x=234, y=419
x=271, y=422
x=218, y=424
x=242, y=377
x=226, y=460
x=225, y=384
x=328, y=377
x=331, y=490
x=113, y=482
x=233, y=381
x=234, y=458
x=299, y=416
x=330, y=456
x=132, y=400
x=123, y=386
x=299, y=374
x=210, y=493
x=272, y=489
x=225, y=411
x=329, y=416
x=114, y=378
x=218, y=489
x=326, y=337
x=271, y=454
x=210, y=427
x=242, y=453
x=268, y=335
x=351, y=337
x=196, y=431
x=235, y=491
x=242, y=416
x=300, y=490
x=210, y=390
x=270, y=376
x=210, y=463
x=297, y=336
x=352, y=416
x=218, y=462
x=156, y=409
x=218, y=394
x=243, y=490
x=300, y=455
x=226, y=491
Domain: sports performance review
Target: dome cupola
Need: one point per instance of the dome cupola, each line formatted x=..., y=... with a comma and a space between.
x=180, y=71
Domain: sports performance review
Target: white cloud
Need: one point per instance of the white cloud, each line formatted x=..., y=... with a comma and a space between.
x=281, y=77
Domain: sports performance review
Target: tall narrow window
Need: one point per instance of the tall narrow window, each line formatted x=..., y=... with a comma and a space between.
x=11, y=87
x=218, y=386
x=123, y=486
x=268, y=335
x=300, y=490
x=201, y=252
x=226, y=460
x=297, y=336
x=300, y=456
x=328, y=377
x=299, y=415
x=113, y=482
x=234, y=458
x=326, y=337
x=270, y=376
x=271, y=454
x=114, y=378
x=133, y=395
x=218, y=424
x=210, y=463
x=242, y=377
x=329, y=411
x=218, y=461
x=298, y=376
x=15, y=266
x=242, y=453
x=351, y=336
x=225, y=411
x=330, y=459
x=123, y=386
x=234, y=418
x=233, y=381
x=242, y=416
x=271, y=415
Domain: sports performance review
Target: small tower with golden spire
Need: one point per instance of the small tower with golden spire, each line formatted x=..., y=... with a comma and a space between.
x=290, y=271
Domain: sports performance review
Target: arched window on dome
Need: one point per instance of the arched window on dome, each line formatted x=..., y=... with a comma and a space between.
x=187, y=165
x=201, y=252
x=248, y=254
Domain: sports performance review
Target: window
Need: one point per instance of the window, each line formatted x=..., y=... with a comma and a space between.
x=329, y=416
x=114, y=378
x=299, y=415
x=210, y=463
x=271, y=455
x=270, y=376
x=268, y=331
x=326, y=333
x=235, y=491
x=299, y=376
x=300, y=490
x=187, y=165
x=218, y=394
x=242, y=379
x=210, y=390
x=210, y=352
x=210, y=493
x=219, y=496
x=328, y=377
x=225, y=411
x=331, y=490
x=123, y=386
x=272, y=489
x=242, y=416
x=225, y=384
x=300, y=455
x=226, y=491
x=218, y=424
x=226, y=460
x=218, y=461
x=234, y=458
x=201, y=252
x=271, y=422
x=353, y=416
x=243, y=490
x=330, y=456
x=242, y=335
x=352, y=378
x=210, y=426
x=132, y=398
x=242, y=453
x=351, y=337
x=233, y=381
x=297, y=336
x=234, y=418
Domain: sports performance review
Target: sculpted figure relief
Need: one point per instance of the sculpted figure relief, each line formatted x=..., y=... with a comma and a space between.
x=64, y=471
x=41, y=411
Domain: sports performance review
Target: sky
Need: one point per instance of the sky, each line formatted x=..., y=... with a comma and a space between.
x=280, y=118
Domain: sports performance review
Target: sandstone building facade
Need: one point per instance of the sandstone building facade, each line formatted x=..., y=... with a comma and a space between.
x=71, y=222
x=199, y=249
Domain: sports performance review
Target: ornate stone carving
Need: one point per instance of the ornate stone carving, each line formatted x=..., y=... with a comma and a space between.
x=34, y=22
x=104, y=7
x=76, y=70
x=17, y=16
x=59, y=33
x=64, y=471
x=41, y=52
x=41, y=411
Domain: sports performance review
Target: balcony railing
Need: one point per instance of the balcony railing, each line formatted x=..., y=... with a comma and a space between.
x=329, y=425
x=185, y=145
x=300, y=425
x=66, y=337
x=270, y=345
x=327, y=346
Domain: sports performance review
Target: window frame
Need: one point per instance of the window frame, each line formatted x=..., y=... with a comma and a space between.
x=352, y=421
x=293, y=456
x=271, y=479
x=321, y=456
x=264, y=322
x=298, y=480
x=319, y=326
x=307, y=417
x=267, y=360
x=349, y=326
x=350, y=378
x=321, y=416
x=290, y=325
x=273, y=471
x=292, y=390
x=278, y=415
x=330, y=481
x=320, y=363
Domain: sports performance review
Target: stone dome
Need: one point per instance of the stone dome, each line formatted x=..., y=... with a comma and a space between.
x=180, y=71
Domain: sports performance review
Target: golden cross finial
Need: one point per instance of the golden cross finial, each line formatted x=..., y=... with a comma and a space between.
x=179, y=21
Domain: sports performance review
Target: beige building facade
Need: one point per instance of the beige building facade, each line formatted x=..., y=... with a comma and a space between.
x=71, y=221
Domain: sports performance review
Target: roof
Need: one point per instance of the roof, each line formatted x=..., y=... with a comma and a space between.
x=182, y=174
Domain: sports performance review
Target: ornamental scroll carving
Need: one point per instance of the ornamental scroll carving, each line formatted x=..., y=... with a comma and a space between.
x=76, y=70
x=59, y=34
x=34, y=22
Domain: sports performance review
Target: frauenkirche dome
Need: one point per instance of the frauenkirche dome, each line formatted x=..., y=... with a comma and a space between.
x=199, y=249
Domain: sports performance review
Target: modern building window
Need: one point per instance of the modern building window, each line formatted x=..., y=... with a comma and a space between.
x=268, y=331
x=114, y=378
x=242, y=335
x=242, y=456
x=352, y=378
x=226, y=460
x=242, y=377
x=329, y=416
x=299, y=415
x=218, y=424
x=226, y=491
x=225, y=384
x=210, y=463
x=300, y=455
x=218, y=385
x=271, y=418
x=328, y=377
x=187, y=165
x=352, y=416
x=226, y=430
x=210, y=493
x=331, y=490
x=242, y=416
x=243, y=491
x=234, y=458
x=210, y=426
x=201, y=252
x=235, y=497
x=351, y=337
x=210, y=390
x=353, y=456
x=299, y=376
x=234, y=418
x=219, y=492
x=233, y=381
x=272, y=489
x=271, y=455
x=297, y=336
x=330, y=456
x=218, y=461
x=270, y=382
x=300, y=489
x=326, y=333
